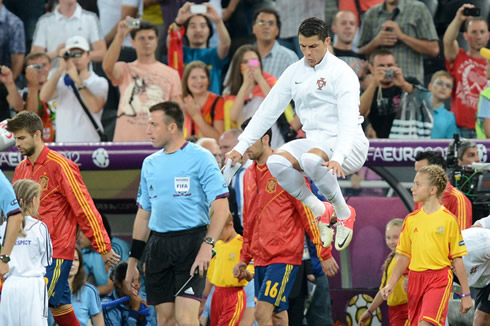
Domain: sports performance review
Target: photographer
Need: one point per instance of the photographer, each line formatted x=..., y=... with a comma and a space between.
x=381, y=100
x=467, y=152
x=37, y=67
x=72, y=122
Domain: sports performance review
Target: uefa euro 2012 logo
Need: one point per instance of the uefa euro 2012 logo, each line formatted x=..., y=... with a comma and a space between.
x=357, y=305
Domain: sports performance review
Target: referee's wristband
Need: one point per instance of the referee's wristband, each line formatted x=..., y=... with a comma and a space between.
x=137, y=247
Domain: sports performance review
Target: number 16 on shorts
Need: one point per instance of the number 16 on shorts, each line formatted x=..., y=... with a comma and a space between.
x=274, y=282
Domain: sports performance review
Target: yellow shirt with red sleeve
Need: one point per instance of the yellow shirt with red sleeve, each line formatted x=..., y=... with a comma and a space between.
x=220, y=271
x=65, y=203
x=431, y=241
x=458, y=204
x=398, y=296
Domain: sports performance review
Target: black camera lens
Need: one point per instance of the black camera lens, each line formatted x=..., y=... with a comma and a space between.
x=66, y=55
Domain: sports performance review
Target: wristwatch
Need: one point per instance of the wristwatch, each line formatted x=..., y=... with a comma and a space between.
x=5, y=258
x=209, y=241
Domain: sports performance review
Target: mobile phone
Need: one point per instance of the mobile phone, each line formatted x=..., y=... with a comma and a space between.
x=133, y=23
x=475, y=12
x=253, y=63
x=198, y=9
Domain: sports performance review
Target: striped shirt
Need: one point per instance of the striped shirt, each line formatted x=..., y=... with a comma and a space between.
x=278, y=59
x=414, y=20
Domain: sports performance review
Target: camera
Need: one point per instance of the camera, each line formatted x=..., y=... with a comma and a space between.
x=198, y=9
x=133, y=23
x=389, y=73
x=475, y=12
x=67, y=55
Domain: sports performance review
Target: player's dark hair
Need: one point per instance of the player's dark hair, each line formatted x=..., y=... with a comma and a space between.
x=144, y=25
x=314, y=27
x=432, y=157
x=268, y=132
x=27, y=120
x=172, y=112
x=208, y=22
x=80, y=277
x=235, y=80
x=268, y=10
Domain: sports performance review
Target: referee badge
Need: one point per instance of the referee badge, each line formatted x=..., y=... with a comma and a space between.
x=182, y=185
x=321, y=83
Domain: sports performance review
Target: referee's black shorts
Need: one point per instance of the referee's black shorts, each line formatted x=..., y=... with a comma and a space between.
x=170, y=258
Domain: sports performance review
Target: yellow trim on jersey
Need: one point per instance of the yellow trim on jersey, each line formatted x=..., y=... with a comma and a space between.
x=238, y=309
x=63, y=312
x=447, y=292
x=82, y=201
x=56, y=276
x=461, y=218
x=284, y=282
x=431, y=320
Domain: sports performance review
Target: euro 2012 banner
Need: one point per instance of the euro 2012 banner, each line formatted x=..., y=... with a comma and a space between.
x=357, y=305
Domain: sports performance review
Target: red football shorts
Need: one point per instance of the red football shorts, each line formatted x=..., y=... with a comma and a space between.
x=428, y=295
x=398, y=315
x=227, y=306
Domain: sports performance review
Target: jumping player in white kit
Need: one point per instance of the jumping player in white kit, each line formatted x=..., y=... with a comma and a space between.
x=326, y=93
x=24, y=299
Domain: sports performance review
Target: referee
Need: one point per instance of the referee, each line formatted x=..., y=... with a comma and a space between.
x=178, y=185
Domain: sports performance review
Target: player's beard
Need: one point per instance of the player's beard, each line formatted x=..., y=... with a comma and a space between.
x=29, y=151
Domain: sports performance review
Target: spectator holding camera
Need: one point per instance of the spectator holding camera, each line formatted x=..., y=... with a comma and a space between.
x=37, y=67
x=467, y=68
x=73, y=123
x=381, y=99
x=68, y=19
x=142, y=83
x=404, y=26
x=193, y=23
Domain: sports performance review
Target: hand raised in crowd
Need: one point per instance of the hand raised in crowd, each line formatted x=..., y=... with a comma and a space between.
x=32, y=76
x=393, y=27
x=379, y=75
x=184, y=13
x=385, y=38
x=111, y=258
x=335, y=167
x=459, y=14
x=330, y=267
x=190, y=106
x=6, y=76
x=123, y=29
x=202, y=260
x=212, y=13
x=71, y=70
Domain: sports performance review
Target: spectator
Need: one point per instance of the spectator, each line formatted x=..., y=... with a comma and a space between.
x=381, y=100
x=345, y=28
x=68, y=19
x=467, y=68
x=12, y=41
x=238, y=18
x=126, y=313
x=211, y=145
x=296, y=12
x=204, y=109
x=84, y=296
x=358, y=7
x=8, y=92
x=37, y=67
x=407, y=28
x=452, y=198
x=467, y=152
x=275, y=57
x=74, y=124
x=441, y=86
x=196, y=31
x=482, y=126
x=248, y=85
x=142, y=83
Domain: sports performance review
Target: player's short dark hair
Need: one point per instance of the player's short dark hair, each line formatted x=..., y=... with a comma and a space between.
x=314, y=27
x=144, y=25
x=268, y=132
x=27, y=120
x=432, y=157
x=268, y=10
x=172, y=111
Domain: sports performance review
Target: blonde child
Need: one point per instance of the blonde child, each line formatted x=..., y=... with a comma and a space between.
x=397, y=301
x=429, y=243
x=24, y=294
